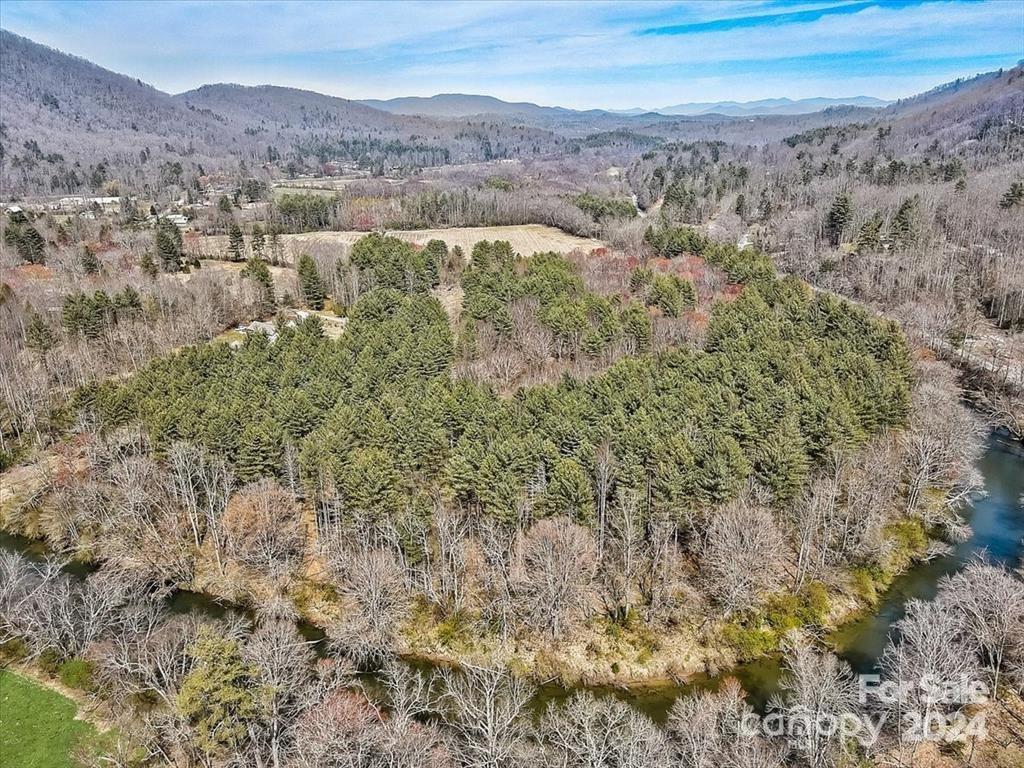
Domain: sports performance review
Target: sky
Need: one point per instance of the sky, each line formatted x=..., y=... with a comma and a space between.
x=572, y=54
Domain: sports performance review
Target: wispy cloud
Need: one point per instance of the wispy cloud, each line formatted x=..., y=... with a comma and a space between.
x=759, y=19
x=575, y=54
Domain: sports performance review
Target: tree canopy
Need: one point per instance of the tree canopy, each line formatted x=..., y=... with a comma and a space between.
x=379, y=422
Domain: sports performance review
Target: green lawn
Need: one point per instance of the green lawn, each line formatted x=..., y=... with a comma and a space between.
x=37, y=725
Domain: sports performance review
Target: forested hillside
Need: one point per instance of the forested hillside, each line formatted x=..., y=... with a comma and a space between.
x=70, y=126
x=915, y=210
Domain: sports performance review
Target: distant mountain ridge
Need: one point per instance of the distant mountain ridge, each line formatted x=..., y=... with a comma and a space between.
x=68, y=125
x=468, y=105
x=770, y=106
x=465, y=105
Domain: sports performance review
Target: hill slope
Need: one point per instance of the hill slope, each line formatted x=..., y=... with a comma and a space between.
x=70, y=126
x=68, y=119
x=466, y=105
x=769, y=106
x=461, y=105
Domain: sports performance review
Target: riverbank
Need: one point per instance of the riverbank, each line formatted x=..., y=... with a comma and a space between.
x=997, y=525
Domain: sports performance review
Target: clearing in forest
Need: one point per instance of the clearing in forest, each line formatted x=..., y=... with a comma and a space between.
x=525, y=239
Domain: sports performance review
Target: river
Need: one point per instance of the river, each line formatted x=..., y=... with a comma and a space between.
x=996, y=517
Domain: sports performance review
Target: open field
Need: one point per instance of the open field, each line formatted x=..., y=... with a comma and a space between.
x=327, y=185
x=38, y=728
x=281, y=191
x=526, y=239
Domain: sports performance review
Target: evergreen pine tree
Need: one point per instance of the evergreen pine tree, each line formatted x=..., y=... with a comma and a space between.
x=256, y=270
x=637, y=328
x=869, y=237
x=90, y=263
x=838, y=217
x=259, y=450
x=640, y=278
x=26, y=240
x=310, y=285
x=221, y=696
x=236, y=242
x=259, y=242
x=765, y=205
x=276, y=248
x=168, y=246
x=781, y=462
x=667, y=293
x=1014, y=196
x=148, y=266
x=569, y=493
x=33, y=246
x=903, y=230
x=436, y=253
x=38, y=334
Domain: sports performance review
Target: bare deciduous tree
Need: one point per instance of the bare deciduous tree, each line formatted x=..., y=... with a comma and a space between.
x=591, y=732
x=942, y=443
x=558, y=563
x=933, y=644
x=376, y=599
x=486, y=710
x=742, y=557
x=991, y=600
x=817, y=687
x=263, y=529
x=285, y=662
x=706, y=730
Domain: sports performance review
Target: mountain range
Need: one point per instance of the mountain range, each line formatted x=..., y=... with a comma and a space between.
x=468, y=105
x=68, y=125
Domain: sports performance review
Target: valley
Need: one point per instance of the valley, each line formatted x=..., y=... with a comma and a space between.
x=462, y=432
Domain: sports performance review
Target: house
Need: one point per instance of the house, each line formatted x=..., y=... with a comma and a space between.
x=259, y=326
x=76, y=204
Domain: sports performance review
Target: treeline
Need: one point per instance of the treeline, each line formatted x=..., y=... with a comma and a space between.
x=530, y=321
x=89, y=315
x=744, y=266
x=602, y=207
x=378, y=155
x=484, y=206
x=510, y=294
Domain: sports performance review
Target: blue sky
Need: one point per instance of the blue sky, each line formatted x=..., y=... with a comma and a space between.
x=575, y=54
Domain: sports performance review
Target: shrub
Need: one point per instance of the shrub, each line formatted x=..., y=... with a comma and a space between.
x=77, y=673
x=748, y=642
x=815, y=603
x=50, y=660
x=868, y=581
x=13, y=650
x=783, y=612
x=909, y=535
